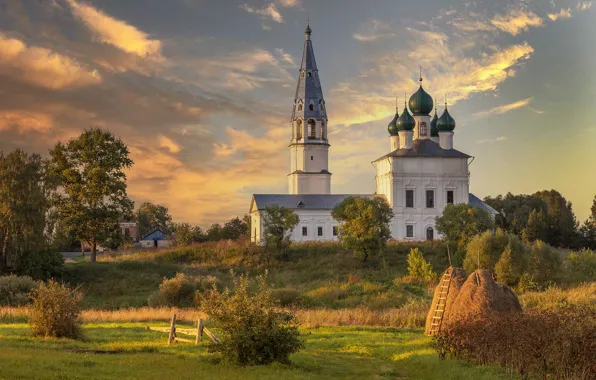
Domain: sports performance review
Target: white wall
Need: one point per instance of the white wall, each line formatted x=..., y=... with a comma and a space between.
x=311, y=219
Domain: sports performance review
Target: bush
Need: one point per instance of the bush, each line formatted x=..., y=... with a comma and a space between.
x=419, y=268
x=545, y=263
x=180, y=290
x=286, y=296
x=55, y=311
x=15, y=290
x=254, y=331
x=581, y=266
x=536, y=343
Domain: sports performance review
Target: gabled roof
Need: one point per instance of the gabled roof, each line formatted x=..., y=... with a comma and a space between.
x=425, y=148
x=475, y=201
x=164, y=230
x=301, y=201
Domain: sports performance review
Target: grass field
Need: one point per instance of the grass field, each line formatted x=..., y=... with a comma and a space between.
x=132, y=352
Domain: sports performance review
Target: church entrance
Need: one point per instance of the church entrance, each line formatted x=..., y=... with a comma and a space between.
x=430, y=233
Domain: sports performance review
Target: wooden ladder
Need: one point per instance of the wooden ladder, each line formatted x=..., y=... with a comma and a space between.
x=440, y=309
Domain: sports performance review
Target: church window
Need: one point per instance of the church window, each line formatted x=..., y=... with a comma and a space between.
x=311, y=158
x=410, y=198
x=310, y=74
x=303, y=74
x=449, y=197
x=311, y=107
x=430, y=233
x=320, y=231
x=410, y=231
x=312, y=133
x=304, y=231
x=299, y=129
x=423, y=129
x=299, y=106
x=334, y=230
x=430, y=199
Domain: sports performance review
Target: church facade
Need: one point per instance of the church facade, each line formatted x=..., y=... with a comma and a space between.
x=421, y=174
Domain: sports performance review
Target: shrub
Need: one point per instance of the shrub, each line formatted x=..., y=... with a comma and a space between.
x=15, y=290
x=545, y=263
x=286, y=296
x=581, y=266
x=419, y=268
x=504, y=268
x=55, y=311
x=180, y=290
x=254, y=331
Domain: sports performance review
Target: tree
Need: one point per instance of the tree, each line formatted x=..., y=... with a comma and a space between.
x=514, y=210
x=460, y=222
x=185, y=234
x=504, y=268
x=419, y=268
x=545, y=263
x=278, y=224
x=234, y=229
x=90, y=170
x=562, y=228
x=214, y=232
x=364, y=225
x=536, y=228
x=588, y=229
x=26, y=187
x=150, y=215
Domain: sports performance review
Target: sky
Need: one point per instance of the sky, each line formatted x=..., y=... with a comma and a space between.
x=202, y=90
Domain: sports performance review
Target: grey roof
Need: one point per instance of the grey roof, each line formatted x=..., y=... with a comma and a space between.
x=164, y=230
x=425, y=148
x=475, y=201
x=309, y=87
x=309, y=201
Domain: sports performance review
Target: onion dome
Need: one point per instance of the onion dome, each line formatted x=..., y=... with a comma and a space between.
x=405, y=122
x=446, y=123
x=392, y=127
x=434, y=131
x=421, y=103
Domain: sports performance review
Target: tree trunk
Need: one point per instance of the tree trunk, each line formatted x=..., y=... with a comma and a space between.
x=83, y=248
x=5, y=248
x=93, y=251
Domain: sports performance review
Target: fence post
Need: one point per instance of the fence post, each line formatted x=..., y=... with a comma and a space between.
x=199, y=331
x=172, y=330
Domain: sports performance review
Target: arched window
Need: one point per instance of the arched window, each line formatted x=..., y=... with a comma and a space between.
x=423, y=129
x=298, y=129
x=312, y=132
x=299, y=106
x=311, y=107
x=323, y=130
x=430, y=233
x=303, y=74
x=310, y=74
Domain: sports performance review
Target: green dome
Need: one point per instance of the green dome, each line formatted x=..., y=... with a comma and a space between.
x=446, y=122
x=434, y=131
x=405, y=122
x=421, y=103
x=392, y=127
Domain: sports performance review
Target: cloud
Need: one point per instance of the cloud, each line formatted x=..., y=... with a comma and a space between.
x=169, y=144
x=563, y=13
x=373, y=30
x=42, y=67
x=286, y=57
x=582, y=6
x=269, y=11
x=505, y=108
x=289, y=3
x=116, y=32
x=495, y=140
x=516, y=21
x=265, y=27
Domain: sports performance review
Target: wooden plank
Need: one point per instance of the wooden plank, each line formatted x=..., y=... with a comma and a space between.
x=184, y=340
x=172, y=330
x=192, y=332
x=210, y=335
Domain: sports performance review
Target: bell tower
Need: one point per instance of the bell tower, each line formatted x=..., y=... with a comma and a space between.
x=309, y=146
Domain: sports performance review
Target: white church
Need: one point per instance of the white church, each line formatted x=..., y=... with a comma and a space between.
x=421, y=174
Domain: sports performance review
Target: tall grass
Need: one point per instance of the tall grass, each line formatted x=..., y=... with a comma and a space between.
x=557, y=298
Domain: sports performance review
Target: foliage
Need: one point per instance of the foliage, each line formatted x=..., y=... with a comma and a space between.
x=214, y=232
x=180, y=290
x=116, y=239
x=364, y=225
x=150, y=215
x=504, y=268
x=483, y=251
x=587, y=231
x=419, y=268
x=15, y=290
x=514, y=210
x=185, y=234
x=26, y=187
x=535, y=343
x=536, y=228
x=235, y=229
x=255, y=332
x=581, y=266
x=460, y=222
x=545, y=263
x=286, y=296
x=278, y=223
x=55, y=311
x=90, y=170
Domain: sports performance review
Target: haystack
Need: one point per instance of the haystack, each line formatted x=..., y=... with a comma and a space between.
x=481, y=295
x=458, y=277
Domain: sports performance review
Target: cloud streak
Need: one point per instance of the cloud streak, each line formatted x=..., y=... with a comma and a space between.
x=516, y=21
x=269, y=12
x=505, y=108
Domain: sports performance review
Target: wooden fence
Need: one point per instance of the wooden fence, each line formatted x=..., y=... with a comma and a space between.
x=197, y=333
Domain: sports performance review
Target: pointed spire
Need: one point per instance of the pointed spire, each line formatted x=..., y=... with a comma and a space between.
x=421, y=75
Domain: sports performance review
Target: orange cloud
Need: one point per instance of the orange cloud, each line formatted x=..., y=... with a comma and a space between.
x=116, y=32
x=42, y=67
x=516, y=21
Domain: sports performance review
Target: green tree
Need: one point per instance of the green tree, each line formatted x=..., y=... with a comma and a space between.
x=278, y=224
x=234, y=229
x=588, y=229
x=214, y=232
x=545, y=263
x=419, y=268
x=149, y=215
x=504, y=268
x=185, y=233
x=364, y=225
x=460, y=222
x=26, y=187
x=91, y=169
x=563, y=227
x=485, y=250
x=514, y=210
x=536, y=228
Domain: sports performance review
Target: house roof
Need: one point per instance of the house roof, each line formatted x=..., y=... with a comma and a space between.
x=425, y=148
x=301, y=201
x=164, y=230
x=475, y=201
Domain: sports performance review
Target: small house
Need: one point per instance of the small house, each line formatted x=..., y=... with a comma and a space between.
x=156, y=237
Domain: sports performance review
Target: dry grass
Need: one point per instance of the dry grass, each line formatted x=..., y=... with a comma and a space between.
x=557, y=298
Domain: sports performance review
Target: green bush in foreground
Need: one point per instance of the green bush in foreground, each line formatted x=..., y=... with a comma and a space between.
x=55, y=311
x=254, y=331
x=14, y=290
x=419, y=268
